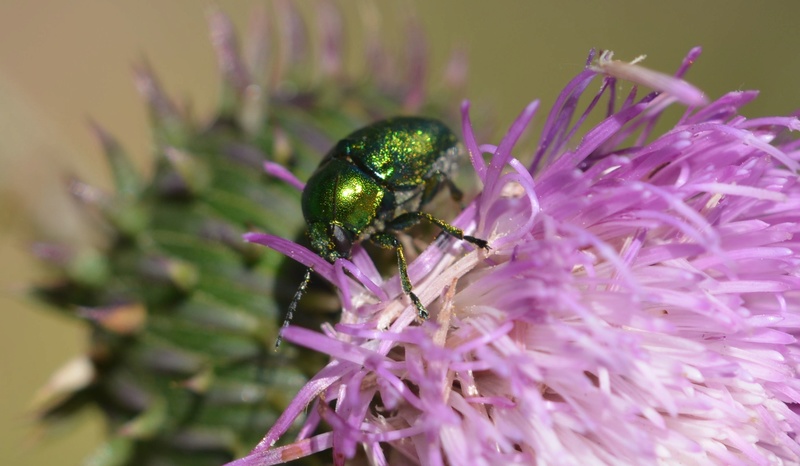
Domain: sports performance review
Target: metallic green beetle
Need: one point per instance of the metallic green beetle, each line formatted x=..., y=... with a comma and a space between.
x=373, y=182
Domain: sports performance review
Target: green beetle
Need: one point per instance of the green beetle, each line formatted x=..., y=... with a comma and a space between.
x=374, y=182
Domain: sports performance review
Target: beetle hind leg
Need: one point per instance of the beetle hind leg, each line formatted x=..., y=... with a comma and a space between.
x=455, y=193
x=386, y=240
x=434, y=185
x=409, y=219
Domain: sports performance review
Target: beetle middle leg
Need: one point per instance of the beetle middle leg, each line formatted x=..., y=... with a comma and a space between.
x=409, y=219
x=389, y=241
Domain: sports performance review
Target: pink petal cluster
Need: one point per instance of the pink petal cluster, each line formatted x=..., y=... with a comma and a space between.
x=640, y=303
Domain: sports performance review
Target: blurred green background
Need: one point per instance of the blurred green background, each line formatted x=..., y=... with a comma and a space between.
x=62, y=63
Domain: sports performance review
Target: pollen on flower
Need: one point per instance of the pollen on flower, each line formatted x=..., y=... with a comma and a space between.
x=639, y=303
x=631, y=71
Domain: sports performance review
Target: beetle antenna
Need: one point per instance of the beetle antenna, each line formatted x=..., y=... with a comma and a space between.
x=293, y=305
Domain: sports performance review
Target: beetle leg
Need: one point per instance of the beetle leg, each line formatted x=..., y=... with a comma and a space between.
x=386, y=240
x=455, y=193
x=434, y=185
x=408, y=219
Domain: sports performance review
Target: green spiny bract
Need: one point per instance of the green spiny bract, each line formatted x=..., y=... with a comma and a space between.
x=184, y=313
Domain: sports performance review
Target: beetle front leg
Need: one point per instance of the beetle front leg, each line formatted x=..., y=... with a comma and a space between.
x=388, y=241
x=408, y=219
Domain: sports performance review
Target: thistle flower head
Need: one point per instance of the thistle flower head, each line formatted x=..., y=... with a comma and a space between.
x=182, y=313
x=639, y=304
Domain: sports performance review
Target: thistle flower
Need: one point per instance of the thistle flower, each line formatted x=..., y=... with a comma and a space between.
x=183, y=314
x=639, y=304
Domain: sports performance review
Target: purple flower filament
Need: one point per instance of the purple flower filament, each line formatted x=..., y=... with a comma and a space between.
x=640, y=303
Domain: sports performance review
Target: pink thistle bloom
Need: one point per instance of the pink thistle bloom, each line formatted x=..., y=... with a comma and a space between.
x=639, y=304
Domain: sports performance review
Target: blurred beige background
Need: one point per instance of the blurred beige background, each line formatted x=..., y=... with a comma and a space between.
x=64, y=62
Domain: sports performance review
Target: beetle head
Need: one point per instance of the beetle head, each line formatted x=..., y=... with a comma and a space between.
x=330, y=240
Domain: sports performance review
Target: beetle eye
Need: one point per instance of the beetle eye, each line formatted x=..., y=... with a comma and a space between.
x=342, y=242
